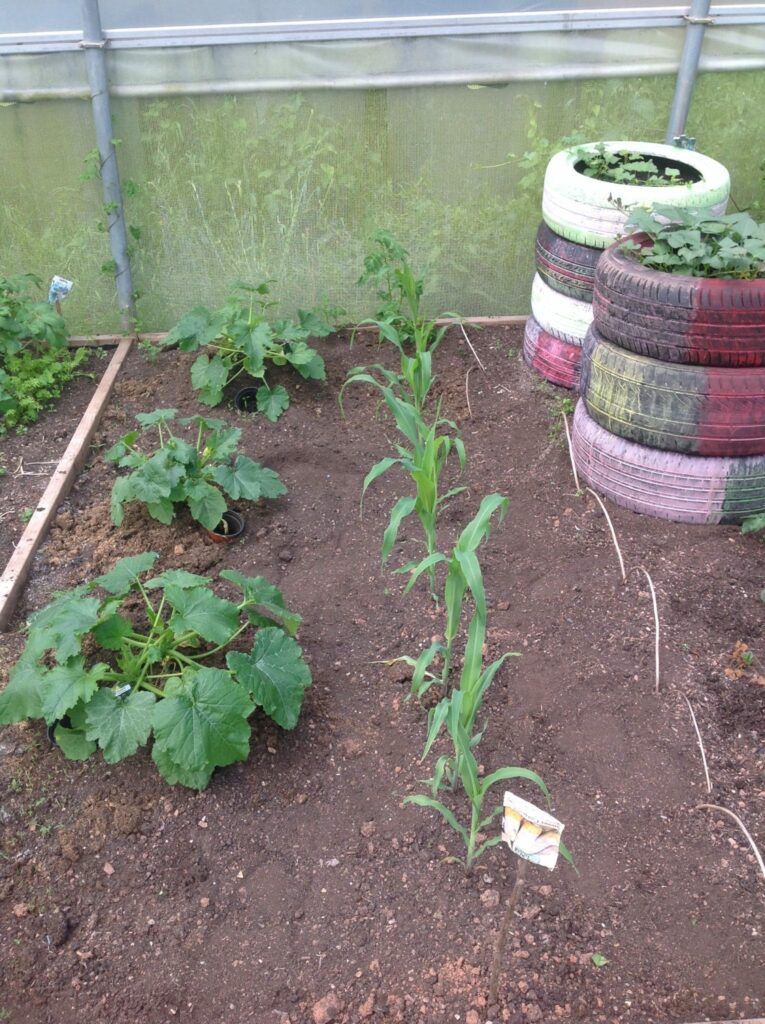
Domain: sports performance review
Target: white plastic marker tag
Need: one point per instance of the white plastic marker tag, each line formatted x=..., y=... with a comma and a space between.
x=59, y=289
x=530, y=832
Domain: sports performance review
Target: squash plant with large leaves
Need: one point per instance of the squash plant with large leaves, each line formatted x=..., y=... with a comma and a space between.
x=179, y=672
x=180, y=472
x=242, y=340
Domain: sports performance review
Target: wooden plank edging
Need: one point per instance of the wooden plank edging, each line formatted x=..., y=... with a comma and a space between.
x=100, y=340
x=16, y=571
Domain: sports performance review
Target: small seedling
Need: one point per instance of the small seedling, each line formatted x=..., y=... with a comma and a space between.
x=599, y=960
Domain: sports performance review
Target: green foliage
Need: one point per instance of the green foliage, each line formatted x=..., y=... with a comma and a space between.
x=399, y=319
x=25, y=321
x=111, y=680
x=242, y=340
x=178, y=472
x=753, y=524
x=697, y=245
x=31, y=381
x=625, y=167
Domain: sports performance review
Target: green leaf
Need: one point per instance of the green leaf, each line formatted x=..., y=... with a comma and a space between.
x=125, y=573
x=122, y=492
x=110, y=633
x=205, y=725
x=306, y=361
x=174, y=774
x=22, y=696
x=753, y=523
x=425, y=801
x=206, y=503
x=61, y=626
x=258, y=590
x=221, y=443
x=402, y=508
x=120, y=724
x=177, y=578
x=151, y=419
x=272, y=402
x=64, y=685
x=209, y=378
x=599, y=960
x=248, y=480
x=73, y=743
x=163, y=510
x=254, y=345
x=274, y=674
x=203, y=613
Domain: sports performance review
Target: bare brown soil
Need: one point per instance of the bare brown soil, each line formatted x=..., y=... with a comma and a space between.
x=297, y=888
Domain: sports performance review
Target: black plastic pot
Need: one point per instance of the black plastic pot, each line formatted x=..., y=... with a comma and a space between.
x=231, y=527
x=246, y=399
x=51, y=729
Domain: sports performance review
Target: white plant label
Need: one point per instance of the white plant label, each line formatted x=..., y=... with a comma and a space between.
x=530, y=832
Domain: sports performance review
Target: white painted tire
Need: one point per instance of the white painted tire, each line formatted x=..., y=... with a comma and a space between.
x=593, y=212
x=565, y=318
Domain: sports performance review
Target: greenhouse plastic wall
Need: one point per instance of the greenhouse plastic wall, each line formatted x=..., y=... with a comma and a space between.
x=250, y=161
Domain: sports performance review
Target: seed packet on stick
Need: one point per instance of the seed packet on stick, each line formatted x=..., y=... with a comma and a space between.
x=530, y=832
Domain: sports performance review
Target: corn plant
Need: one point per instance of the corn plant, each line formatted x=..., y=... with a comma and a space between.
x=425, y=460
x=475, y=788
x=400, y=320
x=463, y=577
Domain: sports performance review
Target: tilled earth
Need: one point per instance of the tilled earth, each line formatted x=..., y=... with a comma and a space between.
x=297, y=889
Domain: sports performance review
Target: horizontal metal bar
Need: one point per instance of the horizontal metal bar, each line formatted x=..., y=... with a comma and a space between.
x=545, y=73
x=370, y=28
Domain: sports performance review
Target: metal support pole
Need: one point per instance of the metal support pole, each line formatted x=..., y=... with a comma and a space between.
x=93, y=43
x=697, y=21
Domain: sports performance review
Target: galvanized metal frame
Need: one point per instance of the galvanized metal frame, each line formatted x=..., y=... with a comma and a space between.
x=94, y=40
x=386, y=28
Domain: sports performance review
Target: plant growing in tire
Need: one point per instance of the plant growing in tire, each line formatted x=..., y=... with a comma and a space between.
x=195, y=473
x=590, y=190
x=689, y=289
x=123, y=660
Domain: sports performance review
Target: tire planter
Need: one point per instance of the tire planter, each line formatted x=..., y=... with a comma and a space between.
x=697, y=410
x=557, y=361
x=567, y=267
x=682, y=488
x=593, y=212
x=696, y=320
x=565, y=318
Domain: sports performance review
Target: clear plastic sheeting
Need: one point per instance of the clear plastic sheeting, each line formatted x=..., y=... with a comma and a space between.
x=380, y=63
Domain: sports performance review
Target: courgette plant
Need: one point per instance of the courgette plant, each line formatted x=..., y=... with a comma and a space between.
x=243, y=341
x=179, y=472
x=106, y=676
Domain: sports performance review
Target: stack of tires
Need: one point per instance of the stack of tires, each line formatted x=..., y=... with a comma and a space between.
x=672, y=416
x=583, y=216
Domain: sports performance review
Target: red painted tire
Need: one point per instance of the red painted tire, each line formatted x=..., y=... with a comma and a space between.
x=556, y=360
x=698, y=410
x=678, y=319
x=682, y=488
x=568, y=268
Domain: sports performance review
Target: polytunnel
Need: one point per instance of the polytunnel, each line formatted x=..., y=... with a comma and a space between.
x=261, y=140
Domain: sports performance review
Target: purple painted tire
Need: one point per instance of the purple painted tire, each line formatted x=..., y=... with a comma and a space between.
x=557, y=361
x=667, y=485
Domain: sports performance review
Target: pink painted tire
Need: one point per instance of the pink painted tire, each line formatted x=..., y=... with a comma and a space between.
x=557, y=361
x=667, y=485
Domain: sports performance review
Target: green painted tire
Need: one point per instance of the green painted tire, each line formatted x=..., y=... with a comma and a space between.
x=593, y=212
x=698, y=410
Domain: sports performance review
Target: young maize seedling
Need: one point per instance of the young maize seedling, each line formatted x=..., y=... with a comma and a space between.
x=424, y=460
x=475, y=789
